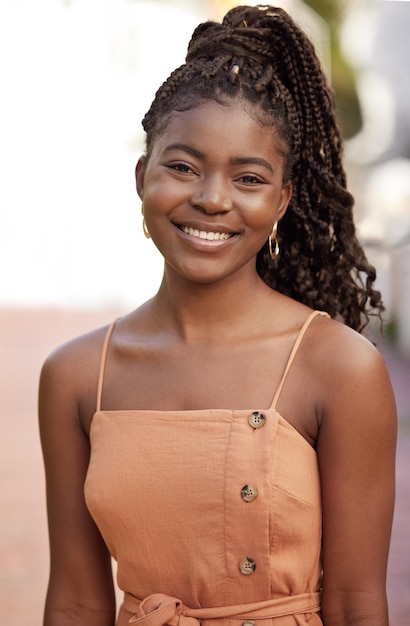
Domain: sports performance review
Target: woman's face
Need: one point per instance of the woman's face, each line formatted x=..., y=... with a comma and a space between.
x=212, y=189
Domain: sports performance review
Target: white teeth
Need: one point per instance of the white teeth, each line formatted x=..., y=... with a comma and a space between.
x=202, y=234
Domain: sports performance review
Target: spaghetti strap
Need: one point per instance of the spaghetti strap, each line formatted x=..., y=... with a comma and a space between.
x=293, y=353
x=102, y=365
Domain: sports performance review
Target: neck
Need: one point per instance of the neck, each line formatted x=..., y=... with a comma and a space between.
x=203, y=311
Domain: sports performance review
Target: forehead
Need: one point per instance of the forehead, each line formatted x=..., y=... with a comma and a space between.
x=215, y=127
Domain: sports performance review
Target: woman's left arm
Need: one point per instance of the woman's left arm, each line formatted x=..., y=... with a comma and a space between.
x=356, y=451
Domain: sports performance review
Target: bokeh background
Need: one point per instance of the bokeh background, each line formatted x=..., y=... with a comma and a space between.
x=76, y=77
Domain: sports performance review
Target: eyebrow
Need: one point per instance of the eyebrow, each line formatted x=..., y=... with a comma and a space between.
x=181, y=146
x=236, y=161
x=253, y=161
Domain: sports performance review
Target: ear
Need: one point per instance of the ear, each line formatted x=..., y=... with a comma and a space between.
x=140, y=169
x=286, y=195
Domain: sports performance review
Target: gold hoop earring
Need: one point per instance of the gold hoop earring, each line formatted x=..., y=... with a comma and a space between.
x=273, y=243
x=144, y=226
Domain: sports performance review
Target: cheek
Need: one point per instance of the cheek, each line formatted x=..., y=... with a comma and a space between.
x=161, y=189
x=156, y=200
x=262, y=215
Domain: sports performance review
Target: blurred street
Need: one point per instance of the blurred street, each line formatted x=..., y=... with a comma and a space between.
x=26, y=337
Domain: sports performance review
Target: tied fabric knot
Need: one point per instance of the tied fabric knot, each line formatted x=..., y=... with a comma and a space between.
x=160, y=609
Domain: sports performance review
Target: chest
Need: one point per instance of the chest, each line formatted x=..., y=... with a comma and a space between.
x=186, y=378
x=180, y=378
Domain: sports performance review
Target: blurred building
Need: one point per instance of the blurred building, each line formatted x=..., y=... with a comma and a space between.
x=375, y=39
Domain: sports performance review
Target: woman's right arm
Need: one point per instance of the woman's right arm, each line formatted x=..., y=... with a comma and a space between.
x=80, y=590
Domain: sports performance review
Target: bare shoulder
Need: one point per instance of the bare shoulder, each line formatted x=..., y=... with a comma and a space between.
x=356, y=409
x=345, y=362
x=70, y=373
x=333, y=335
x=84, y=346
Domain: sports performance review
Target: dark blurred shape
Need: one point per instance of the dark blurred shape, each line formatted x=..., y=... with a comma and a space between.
x=343, y=78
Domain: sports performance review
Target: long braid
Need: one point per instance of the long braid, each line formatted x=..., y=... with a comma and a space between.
x=277, y=71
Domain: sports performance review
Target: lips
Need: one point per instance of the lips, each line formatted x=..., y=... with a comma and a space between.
x=204, y=234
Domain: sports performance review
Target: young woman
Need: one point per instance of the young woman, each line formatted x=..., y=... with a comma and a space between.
x=235, y=443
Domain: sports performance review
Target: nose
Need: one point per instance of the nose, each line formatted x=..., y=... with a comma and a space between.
x=212, y=196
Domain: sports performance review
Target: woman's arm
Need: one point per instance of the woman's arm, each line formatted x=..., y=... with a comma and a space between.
x=356, y=449
x=80, y=588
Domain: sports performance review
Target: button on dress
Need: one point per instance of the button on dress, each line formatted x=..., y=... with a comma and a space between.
x=213, y=516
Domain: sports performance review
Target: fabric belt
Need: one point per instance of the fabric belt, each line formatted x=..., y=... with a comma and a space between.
x=160, y=610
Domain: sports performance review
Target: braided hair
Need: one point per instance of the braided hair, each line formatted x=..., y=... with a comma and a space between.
x=259, y=56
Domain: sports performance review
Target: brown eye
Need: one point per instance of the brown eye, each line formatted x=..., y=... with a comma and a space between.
x=251, y=179
x=180, y=167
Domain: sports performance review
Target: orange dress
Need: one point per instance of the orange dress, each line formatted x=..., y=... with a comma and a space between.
x=214, y=516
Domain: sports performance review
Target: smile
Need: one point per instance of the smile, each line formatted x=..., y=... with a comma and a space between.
x=202, y=234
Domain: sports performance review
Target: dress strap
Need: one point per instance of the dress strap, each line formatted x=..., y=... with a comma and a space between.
x=103, y=360
x=295, y=348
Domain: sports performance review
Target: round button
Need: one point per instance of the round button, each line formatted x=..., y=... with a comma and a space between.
x=248, y=622
x=249, y=493
x=256, y=419
x=247, y=566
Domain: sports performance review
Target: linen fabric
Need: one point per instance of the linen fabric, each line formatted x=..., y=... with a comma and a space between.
x=213, y=517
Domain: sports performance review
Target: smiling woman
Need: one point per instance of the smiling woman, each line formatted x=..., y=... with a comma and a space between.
x=230, y=463
x=208, y=189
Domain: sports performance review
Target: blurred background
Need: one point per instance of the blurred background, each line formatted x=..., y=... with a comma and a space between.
x=76, y=78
